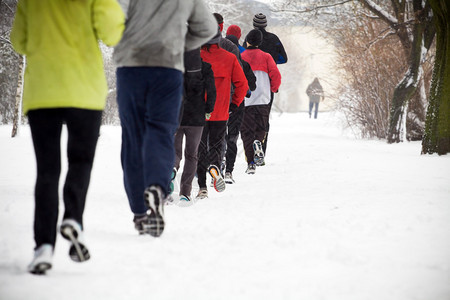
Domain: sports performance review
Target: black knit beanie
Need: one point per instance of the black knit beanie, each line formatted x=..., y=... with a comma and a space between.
x=259, y=21
x=254, y=37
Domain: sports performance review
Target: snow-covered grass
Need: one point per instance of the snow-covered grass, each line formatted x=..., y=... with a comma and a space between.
x=328, y=217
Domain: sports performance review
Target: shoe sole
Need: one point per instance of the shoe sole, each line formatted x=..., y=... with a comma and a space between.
x=258, y=157
x=77, y=251
x=41, y=268
x=219, y=183
x=155, y=226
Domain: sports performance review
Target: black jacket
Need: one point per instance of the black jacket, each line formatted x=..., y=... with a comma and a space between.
x=251, y=78
x=198, y=82
x=272, y=45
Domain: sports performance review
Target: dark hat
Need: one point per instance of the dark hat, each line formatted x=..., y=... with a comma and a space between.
x=234, y=30
x=254, y=37
x=259, y=21
x=233, y=38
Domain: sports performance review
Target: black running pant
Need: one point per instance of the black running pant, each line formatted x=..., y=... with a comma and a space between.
x=253, y=127
x=210, y=148
x=83, y=131
x=234, y=126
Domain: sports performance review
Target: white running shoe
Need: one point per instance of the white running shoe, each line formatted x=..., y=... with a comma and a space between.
x=42, y=260
x=229, y=178
x=202, y=194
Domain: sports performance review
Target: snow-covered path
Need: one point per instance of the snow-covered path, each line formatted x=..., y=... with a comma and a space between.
x=328, y=217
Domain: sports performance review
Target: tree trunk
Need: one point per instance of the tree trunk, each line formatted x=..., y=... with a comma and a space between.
x=19, y=92
x=407, y=87
x=437, y=127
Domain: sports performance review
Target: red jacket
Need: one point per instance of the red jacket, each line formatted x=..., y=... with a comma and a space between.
x=226, y=70
x=262, y=61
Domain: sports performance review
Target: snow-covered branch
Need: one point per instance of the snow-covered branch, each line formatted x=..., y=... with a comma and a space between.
x=380, y=37
x=380, y=12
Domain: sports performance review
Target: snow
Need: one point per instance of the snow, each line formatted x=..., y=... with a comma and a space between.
x=328, y=217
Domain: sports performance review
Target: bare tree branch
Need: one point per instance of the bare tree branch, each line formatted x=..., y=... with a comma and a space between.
x=6, y=41
x=315, y=7
x=9, y=7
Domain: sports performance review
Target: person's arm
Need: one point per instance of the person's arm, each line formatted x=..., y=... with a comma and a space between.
x=274, y=75
x=18, y=34
x=308, y=90
x=210, y=87
x=282, y=56
x=251, y=78
x=109, y=21
x=240, y=83
x=202, y=26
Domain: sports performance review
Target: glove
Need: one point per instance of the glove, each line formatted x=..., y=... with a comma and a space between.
x=233, y=108
x=249, y=93
x=207, y=116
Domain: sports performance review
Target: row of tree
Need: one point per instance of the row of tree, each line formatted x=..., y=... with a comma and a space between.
x=394, y=56
x=392, y=59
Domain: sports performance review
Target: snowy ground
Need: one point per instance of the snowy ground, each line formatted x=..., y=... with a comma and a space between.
x=329, y=217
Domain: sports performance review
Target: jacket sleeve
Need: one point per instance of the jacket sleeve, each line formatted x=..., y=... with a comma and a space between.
x=240, y=83
x=202, y=26
x=282, y=56
x=108, y=21
x=274, y=75
x=251, y=78
x=210, y=87
x=18, y=34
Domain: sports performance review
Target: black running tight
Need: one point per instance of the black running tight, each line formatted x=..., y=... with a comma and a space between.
x=83, y=130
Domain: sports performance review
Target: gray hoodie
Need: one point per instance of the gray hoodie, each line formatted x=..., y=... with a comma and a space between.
x=158, y=32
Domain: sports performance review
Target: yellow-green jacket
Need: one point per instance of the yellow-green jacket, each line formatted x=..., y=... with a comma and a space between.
x=60, y=41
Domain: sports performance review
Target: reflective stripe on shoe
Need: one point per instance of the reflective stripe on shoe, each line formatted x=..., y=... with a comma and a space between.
x=71, y=231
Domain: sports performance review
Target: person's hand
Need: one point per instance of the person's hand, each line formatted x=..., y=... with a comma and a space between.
x=207, y=116
x=249, y=93
x=233, y=108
